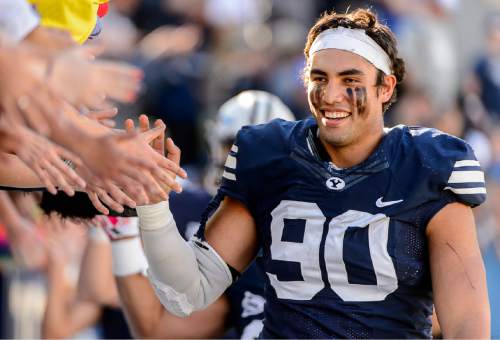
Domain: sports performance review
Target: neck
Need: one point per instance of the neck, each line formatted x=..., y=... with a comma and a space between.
x=350, y=155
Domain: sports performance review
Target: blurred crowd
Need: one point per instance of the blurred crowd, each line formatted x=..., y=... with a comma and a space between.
x=178, y=61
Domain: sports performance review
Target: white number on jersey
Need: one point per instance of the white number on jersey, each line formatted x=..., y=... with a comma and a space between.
x=307, y=253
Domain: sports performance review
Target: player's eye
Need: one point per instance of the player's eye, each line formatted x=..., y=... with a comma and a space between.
x=319, y=79
x=350, y=81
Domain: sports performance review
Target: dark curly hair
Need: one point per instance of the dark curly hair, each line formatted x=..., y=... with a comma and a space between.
x=366, y=20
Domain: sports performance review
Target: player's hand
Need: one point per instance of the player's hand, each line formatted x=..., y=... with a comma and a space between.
x=124, y=159
x=93, y=81
x=46, y=160
x=143, y=199
x=167, y=169
x=24, y=96
x=157, y=144
x=164, y=175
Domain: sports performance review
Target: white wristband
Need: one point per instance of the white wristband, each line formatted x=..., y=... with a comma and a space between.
x=155, y=216
x=128, y=257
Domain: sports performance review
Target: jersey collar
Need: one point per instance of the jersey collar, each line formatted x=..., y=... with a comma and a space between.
x=376, y=162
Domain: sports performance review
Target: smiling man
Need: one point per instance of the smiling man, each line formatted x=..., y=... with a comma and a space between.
x=362, y=229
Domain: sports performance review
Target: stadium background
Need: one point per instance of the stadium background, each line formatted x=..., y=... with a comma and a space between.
x=198, y=53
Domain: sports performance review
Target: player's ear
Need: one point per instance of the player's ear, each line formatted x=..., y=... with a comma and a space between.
x=386, y=88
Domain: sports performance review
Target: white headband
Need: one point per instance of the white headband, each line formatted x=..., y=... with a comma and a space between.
x=353, y=40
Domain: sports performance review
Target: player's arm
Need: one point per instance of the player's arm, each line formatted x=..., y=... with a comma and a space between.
x=458, y=276
x=189, y=276
x=147, y=318
x=232, y=233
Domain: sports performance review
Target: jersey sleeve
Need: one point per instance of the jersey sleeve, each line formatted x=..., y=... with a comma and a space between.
x=245, y=163
x=254, y=168
x=238, y=177
x=454, y=168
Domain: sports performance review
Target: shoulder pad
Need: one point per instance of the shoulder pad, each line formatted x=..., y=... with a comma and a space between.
x=451, y=163
x=252, y=156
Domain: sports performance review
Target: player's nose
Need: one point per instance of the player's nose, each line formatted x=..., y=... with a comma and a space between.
x=334, y=93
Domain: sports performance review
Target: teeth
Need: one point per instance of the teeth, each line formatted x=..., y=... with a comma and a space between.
x=336, y=114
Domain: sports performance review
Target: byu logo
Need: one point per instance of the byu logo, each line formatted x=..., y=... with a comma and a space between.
x=335, y=183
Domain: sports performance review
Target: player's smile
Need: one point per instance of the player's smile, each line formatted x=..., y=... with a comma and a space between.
x=334, y=117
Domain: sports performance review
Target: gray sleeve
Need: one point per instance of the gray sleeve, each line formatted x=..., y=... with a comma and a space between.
x=186, y=276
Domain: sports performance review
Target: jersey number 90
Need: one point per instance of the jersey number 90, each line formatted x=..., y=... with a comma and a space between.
x=308, y=255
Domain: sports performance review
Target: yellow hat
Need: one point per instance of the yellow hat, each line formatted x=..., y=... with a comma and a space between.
x=76, y=16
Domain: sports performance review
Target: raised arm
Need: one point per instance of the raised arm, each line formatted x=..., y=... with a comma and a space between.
x=191, y=275
x=458, y=274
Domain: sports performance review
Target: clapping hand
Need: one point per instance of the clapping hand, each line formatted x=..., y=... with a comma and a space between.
x=159, y=144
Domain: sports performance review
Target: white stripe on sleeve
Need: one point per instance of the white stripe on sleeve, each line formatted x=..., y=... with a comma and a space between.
x=459, y=164
x=466, y=177
x=229, y=175
x=230, y=162
x=471, y=191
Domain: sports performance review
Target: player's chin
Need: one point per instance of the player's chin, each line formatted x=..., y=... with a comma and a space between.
x=335, y=137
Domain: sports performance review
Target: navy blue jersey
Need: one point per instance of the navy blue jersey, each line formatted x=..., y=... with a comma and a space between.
x=345, y=250
x=246, y=298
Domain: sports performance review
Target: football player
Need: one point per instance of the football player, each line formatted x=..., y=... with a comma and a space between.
x=362, y=228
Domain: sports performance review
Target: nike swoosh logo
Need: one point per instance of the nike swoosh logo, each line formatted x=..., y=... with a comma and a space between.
x=381, y=204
